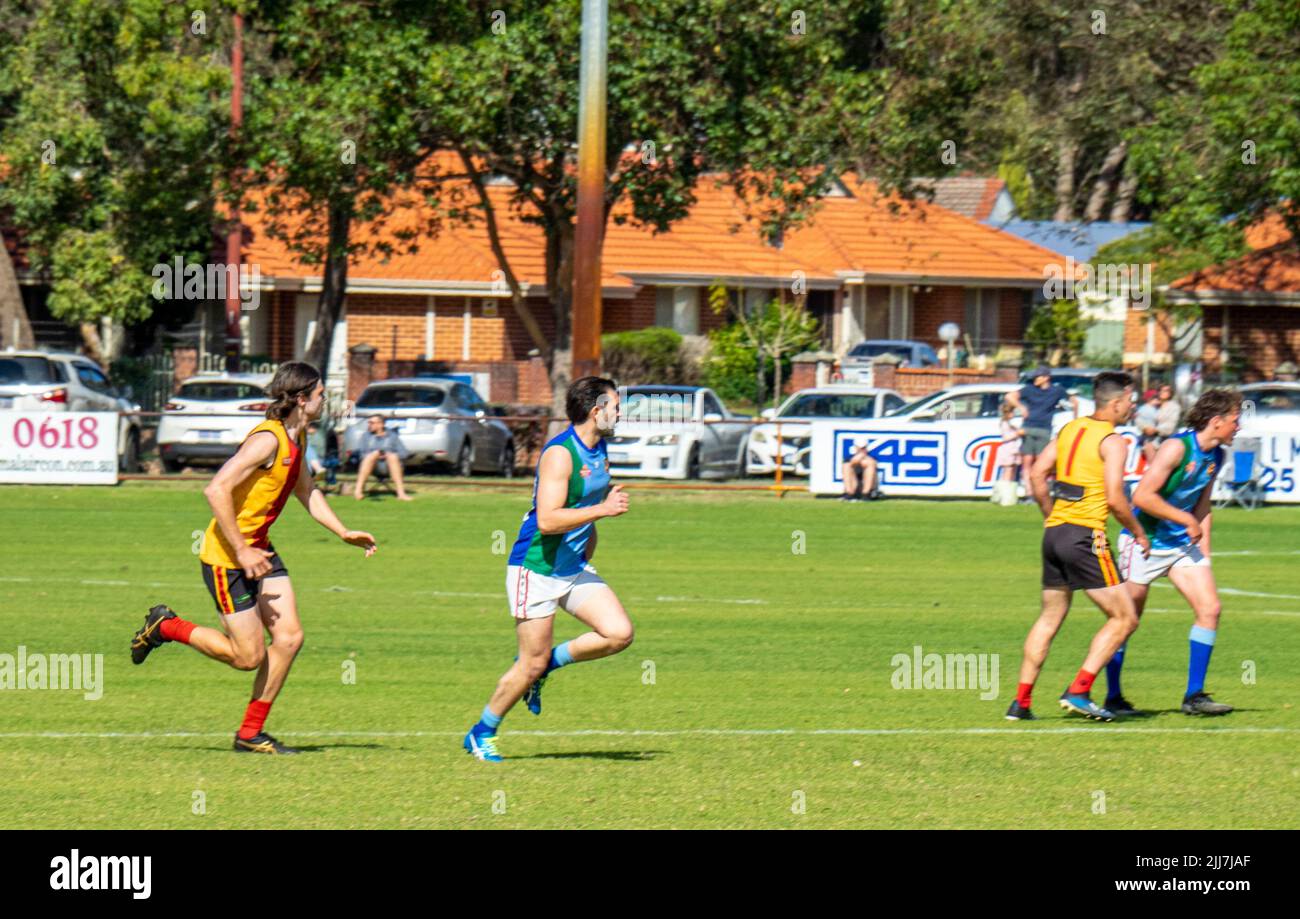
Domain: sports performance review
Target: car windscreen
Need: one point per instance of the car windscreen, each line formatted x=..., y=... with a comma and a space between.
x=1274, y=400
x=220, y=391
x=402, y=397
x=656, y=405
x=27, y=370
x=831, y=405
x=911, y=406
x=868, y=350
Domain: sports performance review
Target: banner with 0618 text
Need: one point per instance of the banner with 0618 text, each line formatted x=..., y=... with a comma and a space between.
x=49, y=448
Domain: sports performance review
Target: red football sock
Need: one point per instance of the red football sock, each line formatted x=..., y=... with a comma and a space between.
x=254, y=718
x=1082, y=684
x=176, y=629
x=1023, y=692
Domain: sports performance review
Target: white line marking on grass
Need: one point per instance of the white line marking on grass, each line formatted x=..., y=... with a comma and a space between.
x=740, y=600
x=688, y=732
x=1261, y=552
x=1234, y=592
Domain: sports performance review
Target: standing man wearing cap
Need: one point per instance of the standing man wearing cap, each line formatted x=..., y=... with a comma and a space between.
x=1037, y=401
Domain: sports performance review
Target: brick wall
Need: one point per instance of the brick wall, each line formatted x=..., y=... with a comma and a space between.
x=1264, y=335
x=914, y=382
x=932, y=308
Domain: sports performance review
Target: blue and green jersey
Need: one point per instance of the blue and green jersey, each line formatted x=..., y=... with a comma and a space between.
x=564, y=554
x=1183, y=490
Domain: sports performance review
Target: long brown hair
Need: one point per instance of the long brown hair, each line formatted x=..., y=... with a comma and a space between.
x=293, y=379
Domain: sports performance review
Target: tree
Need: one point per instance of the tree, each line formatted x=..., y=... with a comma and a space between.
x=1228, y=153
x=771, y=101
x=109, y=150
x=13, y=315
x=773, y=330
x=333, y=130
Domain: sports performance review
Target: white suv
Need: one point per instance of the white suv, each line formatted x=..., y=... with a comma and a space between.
x=209, y=417
x=55, y=381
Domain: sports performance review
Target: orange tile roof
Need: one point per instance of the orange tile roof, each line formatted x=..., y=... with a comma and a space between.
x=862, y=234
x=1272, y=268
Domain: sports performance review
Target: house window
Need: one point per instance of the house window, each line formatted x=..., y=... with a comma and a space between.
x=982, y=317
x=678, y=308
x=900, y=312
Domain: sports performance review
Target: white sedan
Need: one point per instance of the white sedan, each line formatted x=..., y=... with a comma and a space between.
x=838, y=400
x=676, y=432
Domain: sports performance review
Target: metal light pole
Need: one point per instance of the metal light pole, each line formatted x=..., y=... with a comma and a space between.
x=589, y=229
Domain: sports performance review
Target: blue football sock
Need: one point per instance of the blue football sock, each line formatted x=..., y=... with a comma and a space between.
x=487, y=722
x=1202, y=644
x=1113, y=668
x=560, y=656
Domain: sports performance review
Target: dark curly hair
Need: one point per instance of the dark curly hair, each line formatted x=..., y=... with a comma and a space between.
x=1213, y=402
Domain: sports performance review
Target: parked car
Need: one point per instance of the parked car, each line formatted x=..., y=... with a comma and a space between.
x=1272, y=398
x=838, y=400
x=977, y=400
x=677, y=432
x=476, y=441
x=209, y=417
x=39, y=381
x=856, y=364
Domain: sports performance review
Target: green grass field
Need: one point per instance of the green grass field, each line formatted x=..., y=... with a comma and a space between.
x=771, y=703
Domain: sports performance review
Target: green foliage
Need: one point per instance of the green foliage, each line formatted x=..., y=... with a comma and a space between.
x=109, y=120
x=1058, y=329
x=732, y=364
x=652, y=355
x=1232, y=147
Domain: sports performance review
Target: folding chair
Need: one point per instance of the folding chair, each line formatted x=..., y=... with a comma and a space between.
x=1242, y=486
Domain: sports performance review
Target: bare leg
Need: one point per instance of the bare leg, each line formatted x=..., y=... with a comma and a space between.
x=1056, y=603
x=363, y=472
x=851, y=477
x=1197, y=586
x=395, y=470
x=1121, y=622
x=534, y=654
x=241, y=646
x=278, y=611
x=869, y=467
x=611, y=629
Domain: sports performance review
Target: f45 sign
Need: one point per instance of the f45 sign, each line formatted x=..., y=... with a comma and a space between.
x=904, y=458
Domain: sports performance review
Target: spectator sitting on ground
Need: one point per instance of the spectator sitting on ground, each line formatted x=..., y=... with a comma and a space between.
x=1146, y=421
x=860, y=477
x=380, y=443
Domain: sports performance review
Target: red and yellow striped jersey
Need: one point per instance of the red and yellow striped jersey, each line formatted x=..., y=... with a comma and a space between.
x=1079, y=462
x=258, y=499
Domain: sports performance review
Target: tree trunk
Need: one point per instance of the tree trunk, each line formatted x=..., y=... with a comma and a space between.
x=517, y=301
x=13, y=315
x=559, y=290
x=334, y=287
x=93, y=344
x=1105, y=181
x=1124, y=195
x=1066, y=152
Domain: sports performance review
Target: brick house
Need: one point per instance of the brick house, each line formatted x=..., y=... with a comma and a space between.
x=1251, y=305
x=870, y=267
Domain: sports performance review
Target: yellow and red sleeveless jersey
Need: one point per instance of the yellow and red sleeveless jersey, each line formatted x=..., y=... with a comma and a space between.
x=1079, y=463
x=258, y=499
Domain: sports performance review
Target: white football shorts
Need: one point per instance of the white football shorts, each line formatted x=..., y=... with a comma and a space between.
x=1134, y=567
x=535, y=596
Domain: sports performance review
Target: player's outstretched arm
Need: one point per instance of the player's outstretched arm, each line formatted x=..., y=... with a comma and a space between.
x=318, y=506
x=553, y=488
x=254, y=452
x=1045, y=463
x=1147, y=494
x=1114, y=456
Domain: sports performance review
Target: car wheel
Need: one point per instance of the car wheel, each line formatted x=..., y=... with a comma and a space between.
x=693, y=463
x=170, y=465
x=742, y=463
x=465, y=461
x=130, y=462
x=508, y=461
